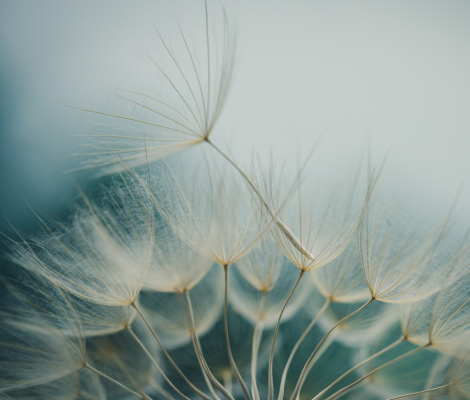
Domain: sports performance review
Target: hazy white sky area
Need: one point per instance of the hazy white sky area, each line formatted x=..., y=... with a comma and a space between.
x=396, y=72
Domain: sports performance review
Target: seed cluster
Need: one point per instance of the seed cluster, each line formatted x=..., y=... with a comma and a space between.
x=220, y=282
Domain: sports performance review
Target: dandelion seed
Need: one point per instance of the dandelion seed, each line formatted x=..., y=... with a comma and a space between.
x=403, y=264
x=258, y=274
x=104, y=256
x=33, y=351
x=343, y=280
x=158, y=127
x=442, y=319
x=325, y=224
x=218, y=217
x=165, y=312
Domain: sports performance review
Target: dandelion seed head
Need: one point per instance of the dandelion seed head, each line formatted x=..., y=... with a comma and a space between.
x=127, y=298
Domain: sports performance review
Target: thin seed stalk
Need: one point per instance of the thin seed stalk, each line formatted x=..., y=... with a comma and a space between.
x=160, y=390
x=304, y=372
x=394, y=344
x=208, y=376
x=227, y=339
x=421, y=392
x=170, y=359
x=257, y=333
x=347, y=388
x=143, y=396
x=299, y=342
x=271, y=356
x=328, y=342
x=129, y=329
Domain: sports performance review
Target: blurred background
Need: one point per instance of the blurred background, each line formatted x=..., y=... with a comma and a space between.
x=394, y=74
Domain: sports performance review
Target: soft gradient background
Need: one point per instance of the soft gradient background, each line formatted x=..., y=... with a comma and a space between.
x=396, y=73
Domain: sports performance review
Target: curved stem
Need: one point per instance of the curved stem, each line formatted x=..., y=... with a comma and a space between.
x=143, y=396
x=199, y=392
x=129, y=329
x=328, y=342
x=257, y=333
x=421, y=392
x=271, y=356
x=299, y=342
x=208, y=376
x=160, y=390
x=394, y=344
x=227, y=339
x=304, y=372
x=346, y=388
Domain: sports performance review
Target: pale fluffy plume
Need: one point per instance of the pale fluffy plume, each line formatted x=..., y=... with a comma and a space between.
x=33, y=347
x=262, y=267
x=175, y=266
x=103, y=254
x=313, y=225
x=404, y=261
x=342, y=280
x=246, y=299
x=442, y=320
x=214, y=213
x=144, y=127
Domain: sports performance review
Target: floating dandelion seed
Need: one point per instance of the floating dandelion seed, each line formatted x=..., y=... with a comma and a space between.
x=215, y=214
x=197, y=96
x=443, y=320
